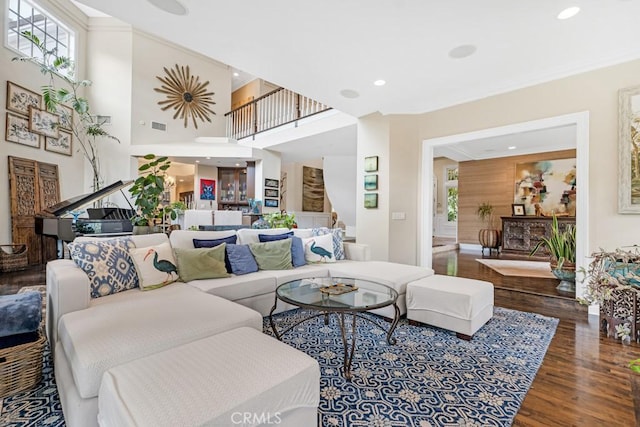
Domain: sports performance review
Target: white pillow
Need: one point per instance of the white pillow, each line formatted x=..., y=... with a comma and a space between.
x=156, y=265
x=319, y=249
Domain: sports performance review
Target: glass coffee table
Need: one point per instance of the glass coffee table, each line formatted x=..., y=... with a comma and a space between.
x=342, y=296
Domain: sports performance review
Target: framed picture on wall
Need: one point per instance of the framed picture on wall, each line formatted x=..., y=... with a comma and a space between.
x=20, y=99
x=43, y=122
x=271, y=203
x=60, y=145
x=270, y=192
x=207, y=189
x=271, y=183
x=17, y=130
x=371, y=182
x=371, y=200
x=371, y=164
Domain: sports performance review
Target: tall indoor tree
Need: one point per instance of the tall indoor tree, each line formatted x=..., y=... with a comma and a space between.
x=63, y=89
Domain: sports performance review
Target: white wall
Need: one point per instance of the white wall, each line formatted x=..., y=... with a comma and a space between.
x=150, y=55
x=267, y=167
x=340, y=181
x=372, y=226
x=109, y=67
x=70, y=168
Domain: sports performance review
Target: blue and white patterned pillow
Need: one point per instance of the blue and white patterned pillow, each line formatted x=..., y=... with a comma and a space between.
x=338, y=245
x=107, y=263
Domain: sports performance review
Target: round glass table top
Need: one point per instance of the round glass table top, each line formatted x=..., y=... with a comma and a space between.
x=337, y=294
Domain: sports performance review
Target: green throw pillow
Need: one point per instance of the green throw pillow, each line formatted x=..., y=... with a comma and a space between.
x=201, y=263
x=272, y=255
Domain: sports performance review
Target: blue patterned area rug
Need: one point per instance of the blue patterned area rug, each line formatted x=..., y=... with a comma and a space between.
x=37, y=407
x=429, y=377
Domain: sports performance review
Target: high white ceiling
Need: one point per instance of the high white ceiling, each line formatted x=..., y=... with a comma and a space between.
x=322, y=48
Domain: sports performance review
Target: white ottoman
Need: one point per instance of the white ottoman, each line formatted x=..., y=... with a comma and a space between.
x=454, y=303
x=237, y=378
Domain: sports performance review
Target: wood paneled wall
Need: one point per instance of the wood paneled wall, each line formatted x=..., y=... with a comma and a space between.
x=491, y=181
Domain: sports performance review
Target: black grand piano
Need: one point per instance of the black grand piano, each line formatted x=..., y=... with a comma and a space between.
x=57, y=220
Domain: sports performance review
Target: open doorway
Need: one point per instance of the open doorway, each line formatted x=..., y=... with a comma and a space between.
x=579, y=122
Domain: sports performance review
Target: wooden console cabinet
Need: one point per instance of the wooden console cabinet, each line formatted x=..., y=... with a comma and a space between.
x=520, y=234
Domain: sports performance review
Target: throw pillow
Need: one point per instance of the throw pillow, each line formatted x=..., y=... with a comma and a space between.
x=297, y=252
x=319, y=249
x=201, y=263
x=107, y=263
x=241, y=259
x=155, y=265
x=274, y=237
x=338, y=244
x=212, y=243
x=272, y=255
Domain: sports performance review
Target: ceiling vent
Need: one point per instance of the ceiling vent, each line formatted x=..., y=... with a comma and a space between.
x=159, y=126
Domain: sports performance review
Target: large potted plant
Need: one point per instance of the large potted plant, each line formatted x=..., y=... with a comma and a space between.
x=63, y=91
x=148, y=190
x=489, y=236
x=561, y=245
x=280, y=219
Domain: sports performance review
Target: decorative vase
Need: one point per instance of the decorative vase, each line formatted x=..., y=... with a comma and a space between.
x=490, y=239
x=566, y=274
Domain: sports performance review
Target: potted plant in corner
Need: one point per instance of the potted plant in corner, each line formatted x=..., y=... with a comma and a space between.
x=489, y=237
x=561, y=245
x=148, y=190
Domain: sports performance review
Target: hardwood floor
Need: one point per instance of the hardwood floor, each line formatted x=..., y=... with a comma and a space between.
x=584, y=379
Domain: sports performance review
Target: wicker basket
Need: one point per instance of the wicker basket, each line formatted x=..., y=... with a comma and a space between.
x=13, y=257
x=21, y=366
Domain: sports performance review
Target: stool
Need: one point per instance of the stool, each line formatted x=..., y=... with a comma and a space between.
x=239, y=377
x=454, y=303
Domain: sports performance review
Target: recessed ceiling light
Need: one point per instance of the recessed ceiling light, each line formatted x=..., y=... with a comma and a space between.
x=181, y=180
x=462, y=51
x=237, y=164
x=513, y=147
x=569, y=12
x=208, y=158
x=170, y=6
x=197, y=161
x=236, y=74
x=380, y=82
x=348, y=93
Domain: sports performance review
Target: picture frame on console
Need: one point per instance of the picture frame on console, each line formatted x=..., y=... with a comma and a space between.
x=628, y=138
x=271, y=203
x=517, y=209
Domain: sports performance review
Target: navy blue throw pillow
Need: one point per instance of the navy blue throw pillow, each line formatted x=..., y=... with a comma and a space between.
x=212, y=243
x=274, y=237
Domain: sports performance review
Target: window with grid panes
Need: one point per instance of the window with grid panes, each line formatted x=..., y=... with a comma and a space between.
x=24, y=15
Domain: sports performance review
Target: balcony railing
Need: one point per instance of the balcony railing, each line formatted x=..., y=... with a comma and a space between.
x=274, y=109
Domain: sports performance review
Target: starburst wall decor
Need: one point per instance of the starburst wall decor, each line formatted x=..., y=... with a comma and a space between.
x=186, y=95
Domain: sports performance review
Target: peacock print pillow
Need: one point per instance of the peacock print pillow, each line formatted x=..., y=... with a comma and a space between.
x=319, y=249
x=156, y=266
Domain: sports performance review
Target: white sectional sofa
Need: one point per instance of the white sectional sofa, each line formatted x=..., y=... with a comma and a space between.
x=90, y=338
